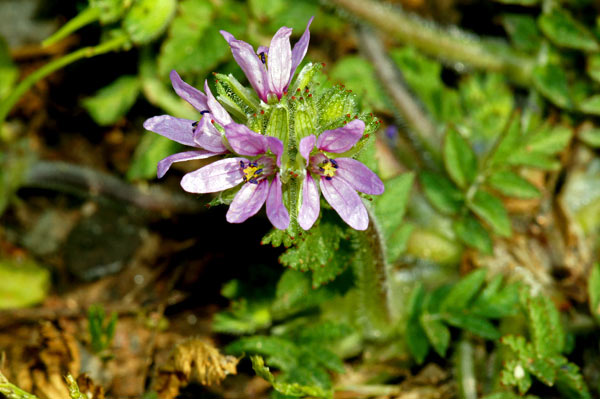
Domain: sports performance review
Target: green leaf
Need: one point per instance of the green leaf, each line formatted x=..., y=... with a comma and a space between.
x=594, y=291
x=551, y=81
x=416, y=340
x=543, y=370
x=147, y=19
x=590, y=105
x=389, y=210
x=523, y=32
x=496, y=302
x=463, y=292
x=359, y=76
x=514, y=374
x=470, y=232
x=441, y=192
x=570, y=382
x=590, y=136
x=321, y=248
x=511, y=138
x=294, y=389
x=513, y=185
x=24, y=283
x=151, y=149
x=547, y=334
x=475, y=324
x=8, y=70
x=266, y=9
x=491, y=209
x=593, y=67
x=112, y=102
x=565, y=31
x=459, y=159
x=437, y=332
x=549, y=140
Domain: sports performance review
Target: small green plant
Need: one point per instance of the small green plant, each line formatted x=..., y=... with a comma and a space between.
x=101, y=329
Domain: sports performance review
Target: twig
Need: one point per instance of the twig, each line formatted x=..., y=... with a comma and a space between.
x=453, y=45
x=67, y=177
x=393, y=83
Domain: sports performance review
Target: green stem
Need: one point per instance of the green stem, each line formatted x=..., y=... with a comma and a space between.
x=29, y=81
x=452, y=45
x=371, y=270
x=82, y=19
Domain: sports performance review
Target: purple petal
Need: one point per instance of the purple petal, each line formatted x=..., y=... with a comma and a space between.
x=280, y=61
x=176, y=129
x=189, y=93
x=276, y=147
x=247, y=201
x=244, y=141
x=341, y=139
x=309, y=211
x=208, y=137
x=216, y=109
x=306, y=146
x=164, y=165
x=276, y=211
x=253, y=68
x=358, y=176
x=346, y=202
x=299, y=50
x=217, y=176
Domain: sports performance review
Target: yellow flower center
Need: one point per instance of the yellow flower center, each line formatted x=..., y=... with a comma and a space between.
x=252, y=171
x=328, y=168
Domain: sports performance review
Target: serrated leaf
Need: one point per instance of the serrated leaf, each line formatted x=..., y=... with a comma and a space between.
x=491, y=209
x=298, y=390
x=565, y=31
x=441, y=192
x=570, y=382
x=416, y=340
x=112, y=102
x=514, y=374
x=437, y=332
x=477, y=325
x=470, y=232
x=594, y=291
x=147, y=19
x=463, y=292
x=542, y=370
x=513, y=185
x=320, y=248
x=459, y=159
x=277, y=237
x=523, y=31
x=151, y=149
x=547, y=334
x=551, y=81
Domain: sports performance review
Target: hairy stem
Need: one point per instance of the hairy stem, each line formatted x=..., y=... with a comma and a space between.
x=371, y=270
x=452, y=45
x=55, y=65
x=427, y=135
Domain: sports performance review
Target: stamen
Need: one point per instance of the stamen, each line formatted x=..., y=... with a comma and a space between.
x=204, y=112
x=328, y=168
x=263, y=57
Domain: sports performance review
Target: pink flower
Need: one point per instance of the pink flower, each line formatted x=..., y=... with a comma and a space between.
x=258, y=173
x=339, y=178
x=271, y=69
x=199, y=134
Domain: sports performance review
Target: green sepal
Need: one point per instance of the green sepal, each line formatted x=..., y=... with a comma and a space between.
x=244, y=97
x=305, y=76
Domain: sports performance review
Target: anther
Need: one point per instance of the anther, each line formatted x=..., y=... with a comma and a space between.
x=204, y=112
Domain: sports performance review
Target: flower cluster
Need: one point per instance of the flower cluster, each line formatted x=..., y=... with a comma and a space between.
x=259, y=156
